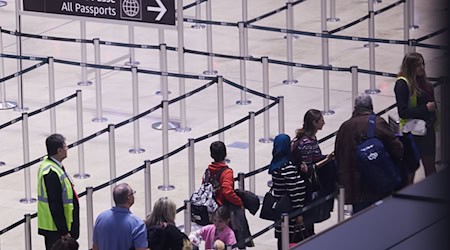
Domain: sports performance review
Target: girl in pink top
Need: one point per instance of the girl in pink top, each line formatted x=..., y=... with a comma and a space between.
x=219, y=230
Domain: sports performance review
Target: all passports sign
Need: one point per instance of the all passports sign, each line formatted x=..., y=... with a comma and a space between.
x=143, y=11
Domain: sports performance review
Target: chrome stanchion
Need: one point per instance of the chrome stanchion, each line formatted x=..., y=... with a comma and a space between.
x=148, y=188
x=251, y=150
x=243, y=100
x=244, y=19
x=266, y=115
x=81, y=174
x=20, y=105
x=161, y=36
x=333, y=17
x=280, y=114
x=90, y=215
x=165, y=146
x=26, y=158
x=187, y=217
x=164, y=89
x=412, y=20
x=132, y=61
x=241, y=181
x=284, y=231
x=27, y=226
x=112, y=157
x=51, y=89
x=290, y=18
x=135, y=88
x=325, y=60
x=210, y=70
x=289, y=37
x=406, y=25
x=220, y=107
x=191, y=165
x=84, y=81
x=4, y=104
x=372, y=90
x=182, y=86
x=354, y=71
x=341, y=203
x=371, y=22
x=98, y=84
x=198, y=15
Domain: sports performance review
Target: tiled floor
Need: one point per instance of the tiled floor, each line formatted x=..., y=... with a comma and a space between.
x=201, y=107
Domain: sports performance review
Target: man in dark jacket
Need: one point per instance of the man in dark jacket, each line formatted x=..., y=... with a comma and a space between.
x=351, y=133
x=58, y=207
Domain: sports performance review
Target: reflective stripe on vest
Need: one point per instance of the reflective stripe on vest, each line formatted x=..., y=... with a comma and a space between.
x=45, y=219
x=412, y=99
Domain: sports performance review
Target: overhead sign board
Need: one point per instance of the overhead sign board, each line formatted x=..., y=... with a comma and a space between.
x=143, y=11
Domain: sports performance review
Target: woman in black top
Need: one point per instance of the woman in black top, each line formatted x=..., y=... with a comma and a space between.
x=412, y=81
x=162, y=234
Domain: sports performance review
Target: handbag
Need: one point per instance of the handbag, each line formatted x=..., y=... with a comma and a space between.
x=272, y=208
x=411, y=156
x=321, y=211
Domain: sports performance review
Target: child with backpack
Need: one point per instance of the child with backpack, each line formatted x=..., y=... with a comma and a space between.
x=219, y=230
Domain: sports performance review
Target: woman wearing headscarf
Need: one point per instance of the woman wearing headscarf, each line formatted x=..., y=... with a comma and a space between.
x=287, y=180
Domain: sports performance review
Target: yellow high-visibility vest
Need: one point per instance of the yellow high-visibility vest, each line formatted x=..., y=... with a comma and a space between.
x=45, y=219
x=412, y=100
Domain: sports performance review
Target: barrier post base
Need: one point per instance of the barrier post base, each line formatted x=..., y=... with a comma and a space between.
x=81, y=176
x=3, y=3
x=212, y=72
x=2, y=163
x=185, y=129
x=27, y=201
x=374, y=45
x=243, y=102
x=334, y=19
x=170, y=124
x=7, y=105
x=99, y=119
x=159, y=92
x=132, y=63
x=136, y=150
x=266, y=140
x=166, y=188
x=18, y=109
x=372, y=91
x=198, y=26
x=84, y=83
x=413, y=27
x=290, y=82
x=329, y=112
x=294, y=37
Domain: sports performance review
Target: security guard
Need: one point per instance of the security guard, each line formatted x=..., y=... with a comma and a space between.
x=58, y=207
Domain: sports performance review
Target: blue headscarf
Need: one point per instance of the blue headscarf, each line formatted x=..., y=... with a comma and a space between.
x=281, y=153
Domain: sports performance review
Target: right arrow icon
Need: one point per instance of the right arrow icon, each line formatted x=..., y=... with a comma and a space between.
x=161, y=9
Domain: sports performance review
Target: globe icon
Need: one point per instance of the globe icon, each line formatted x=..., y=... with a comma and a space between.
x=130, y=7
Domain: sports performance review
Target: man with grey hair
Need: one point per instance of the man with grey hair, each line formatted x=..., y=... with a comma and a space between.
x=117, y=228
x=351, y=133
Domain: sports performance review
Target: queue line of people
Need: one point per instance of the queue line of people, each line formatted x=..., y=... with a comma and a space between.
x=291, y=167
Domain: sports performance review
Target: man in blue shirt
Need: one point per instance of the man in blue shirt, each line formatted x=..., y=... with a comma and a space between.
x=117, y=228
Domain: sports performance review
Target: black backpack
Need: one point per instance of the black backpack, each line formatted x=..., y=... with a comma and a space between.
x=203, y=202
x=376, y=165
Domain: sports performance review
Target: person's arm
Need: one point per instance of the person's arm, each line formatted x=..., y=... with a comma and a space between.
x=227, y=188
x=140, y=241
x=54, y=192
x=95, y=247
x=392, y=143
x=402, y=97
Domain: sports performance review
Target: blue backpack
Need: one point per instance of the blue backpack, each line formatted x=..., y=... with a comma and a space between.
x=377, y=168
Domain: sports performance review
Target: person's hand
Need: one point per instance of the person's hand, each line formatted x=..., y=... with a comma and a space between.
x=304, y=167
x=299, y=220
x=330, y=156
x=431, y=106
x=66, y=236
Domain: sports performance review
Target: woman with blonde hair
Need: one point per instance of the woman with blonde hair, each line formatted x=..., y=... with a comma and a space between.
x=415, y=100
x=162, y=234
